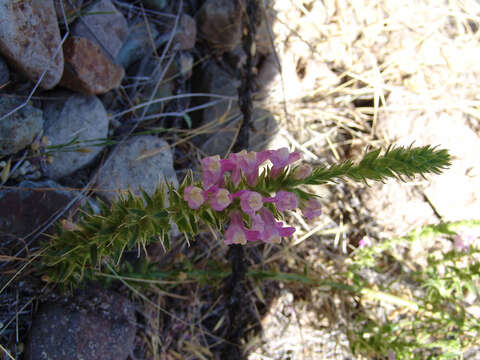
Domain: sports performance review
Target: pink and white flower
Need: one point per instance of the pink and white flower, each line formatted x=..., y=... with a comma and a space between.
x=194, y=196
x=237, y=233
x=312, y=209
x=273, y=230
x=365, y=242
x=219, y=199
x=281, y=158
x=285, y=200
x=250, y=201
x=212, y=173
x=246, y=163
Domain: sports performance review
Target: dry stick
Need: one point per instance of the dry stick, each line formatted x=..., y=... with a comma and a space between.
x=233, y=289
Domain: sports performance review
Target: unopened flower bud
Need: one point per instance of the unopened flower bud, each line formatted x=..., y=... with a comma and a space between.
x=303, y=171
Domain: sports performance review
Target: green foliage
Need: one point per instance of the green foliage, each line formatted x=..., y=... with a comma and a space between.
x=436, y=324
x=396, y=162
x=77, y=252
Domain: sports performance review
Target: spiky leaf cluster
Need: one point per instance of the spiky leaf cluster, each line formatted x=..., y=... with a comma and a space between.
x=396, y=162
x=76, y=252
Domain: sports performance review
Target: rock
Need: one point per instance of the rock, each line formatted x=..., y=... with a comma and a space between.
x=142, y=161
x=104, y=25
x=187, y=34
x=138, y=44
x=27, y=207
x=155, y=4
x=97, y=324
x=152, y=68
x=220, y=24
x=216, y=80
x=19, y=129
x=224, y=117
x=29, y=36
x=75, y=117
x=4, y=73
x=87, y=69
x=70, y=7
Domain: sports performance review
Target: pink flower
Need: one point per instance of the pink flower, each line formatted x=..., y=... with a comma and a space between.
x=302, y=171
x=285, y=201
x=237, y=233
x=273, y=230
x=212, y=171
x=246, y=163
x=365, y=242
x=219, y=199
x=281, y=158
x=463, y=242
x=194, y=196
x=312, y=209
x=250, y=201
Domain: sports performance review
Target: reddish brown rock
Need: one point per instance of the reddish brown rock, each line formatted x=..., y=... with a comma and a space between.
x=103, y=24
x=87, y=69
x=220, y=24
x=93, y=324
x=29, y=36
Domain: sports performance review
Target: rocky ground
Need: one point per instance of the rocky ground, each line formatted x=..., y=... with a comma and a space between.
x=98, y=97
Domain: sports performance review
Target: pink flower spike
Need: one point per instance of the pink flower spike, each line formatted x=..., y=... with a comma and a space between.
x=251, y=201
x=194, y=196
x=237, y=233
x=220, y=199
x=312, y=209
x=286, y=201
x=302, y=171
x=281, y=158
x=212, y=171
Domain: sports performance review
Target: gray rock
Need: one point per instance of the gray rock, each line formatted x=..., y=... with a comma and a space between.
x=76, y=117
x=141, y=161
x=225, y=116
x=95, y=324
x=25, y=208
x=19, y=129
x=103, y=24
x=29, y=36
x=220, y=24
x=187, y=33
x=71, y=8
x=151, y=68
x=4, y=73
x=155, y=4
x=138, y=44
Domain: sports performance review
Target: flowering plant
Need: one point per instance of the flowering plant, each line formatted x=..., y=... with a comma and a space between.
x=242, y=197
